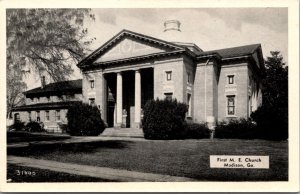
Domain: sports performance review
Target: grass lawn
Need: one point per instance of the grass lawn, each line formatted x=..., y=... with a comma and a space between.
x=22, y=136
x=189, y=158
x=21, y=174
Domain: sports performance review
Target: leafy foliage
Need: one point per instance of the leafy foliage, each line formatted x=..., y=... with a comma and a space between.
x=42, y=41
x=275, y=83
x=63, y=127
x=236, y=129
x=272, y=122
x=17, y=126
x=49, y=40
x=34, y=126
x=195, y=131
x=163, y=119
x=272, y=116
x=84, y=120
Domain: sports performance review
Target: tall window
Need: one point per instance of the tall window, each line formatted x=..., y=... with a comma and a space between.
x=57, y=115
x=189, y=77
x=92, y=83
x=230, y=79
x=29, y=116
x=47, y=116
x=169, y=75
x=38, y=118
x=168, y=96
x=230, y=105
x=189, y=101
x=92, y=101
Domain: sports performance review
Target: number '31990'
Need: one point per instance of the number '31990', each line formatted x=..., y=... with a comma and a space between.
x=25, y=173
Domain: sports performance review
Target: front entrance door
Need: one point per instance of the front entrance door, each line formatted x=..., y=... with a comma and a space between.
x=132, y=116
x=110, y=113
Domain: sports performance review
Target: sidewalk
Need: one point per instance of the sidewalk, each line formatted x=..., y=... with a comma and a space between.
x=97, y=172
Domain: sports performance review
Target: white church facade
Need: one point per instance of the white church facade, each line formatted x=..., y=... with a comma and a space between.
x=131, y=68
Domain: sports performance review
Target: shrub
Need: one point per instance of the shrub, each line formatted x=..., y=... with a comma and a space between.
x=84, y=120
x=17, y=126
x=236, y=129
x=163, y=119
x=34, y=126
x=63, y=127
x=272, y=122
x=195, y=131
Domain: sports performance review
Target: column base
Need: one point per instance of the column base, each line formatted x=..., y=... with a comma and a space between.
x=137, y=125
x=118, y=126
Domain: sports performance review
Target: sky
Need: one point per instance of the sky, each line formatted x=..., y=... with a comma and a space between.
x=209, y=28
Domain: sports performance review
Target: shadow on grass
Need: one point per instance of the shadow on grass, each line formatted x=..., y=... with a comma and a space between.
x=83, y=147
x=22, y=136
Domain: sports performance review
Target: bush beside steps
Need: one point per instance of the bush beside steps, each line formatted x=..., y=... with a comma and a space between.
x=84, y=120
x=165, y=119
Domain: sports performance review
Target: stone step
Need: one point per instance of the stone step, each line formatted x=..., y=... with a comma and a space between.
x=123, y=132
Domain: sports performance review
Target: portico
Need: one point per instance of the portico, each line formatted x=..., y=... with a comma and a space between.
x=120, y=122
x=128, y=71
x=127, y=93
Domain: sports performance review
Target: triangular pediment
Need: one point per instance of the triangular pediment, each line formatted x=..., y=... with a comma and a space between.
x=130, y=47
x=127, y=44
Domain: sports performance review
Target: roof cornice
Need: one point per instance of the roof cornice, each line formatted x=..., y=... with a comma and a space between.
x=211, y=55
x=134, y=59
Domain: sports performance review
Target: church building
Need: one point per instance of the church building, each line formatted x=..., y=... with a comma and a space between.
x=132, y=68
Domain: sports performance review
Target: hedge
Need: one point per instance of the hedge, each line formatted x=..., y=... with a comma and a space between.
x=84, y=120
x=236, y=129
x=163, y=119
x=34, y=126
x=272, y=122
x=17, y=126
x=195, y=131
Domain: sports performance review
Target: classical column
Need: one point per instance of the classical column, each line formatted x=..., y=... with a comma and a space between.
x=119, y=98
x=137, y=99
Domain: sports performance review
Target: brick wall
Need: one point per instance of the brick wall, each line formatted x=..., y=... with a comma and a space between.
x=98, y=92
x=205, y=91
x=175, y=86
x=239, y=89
x=52, y=122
